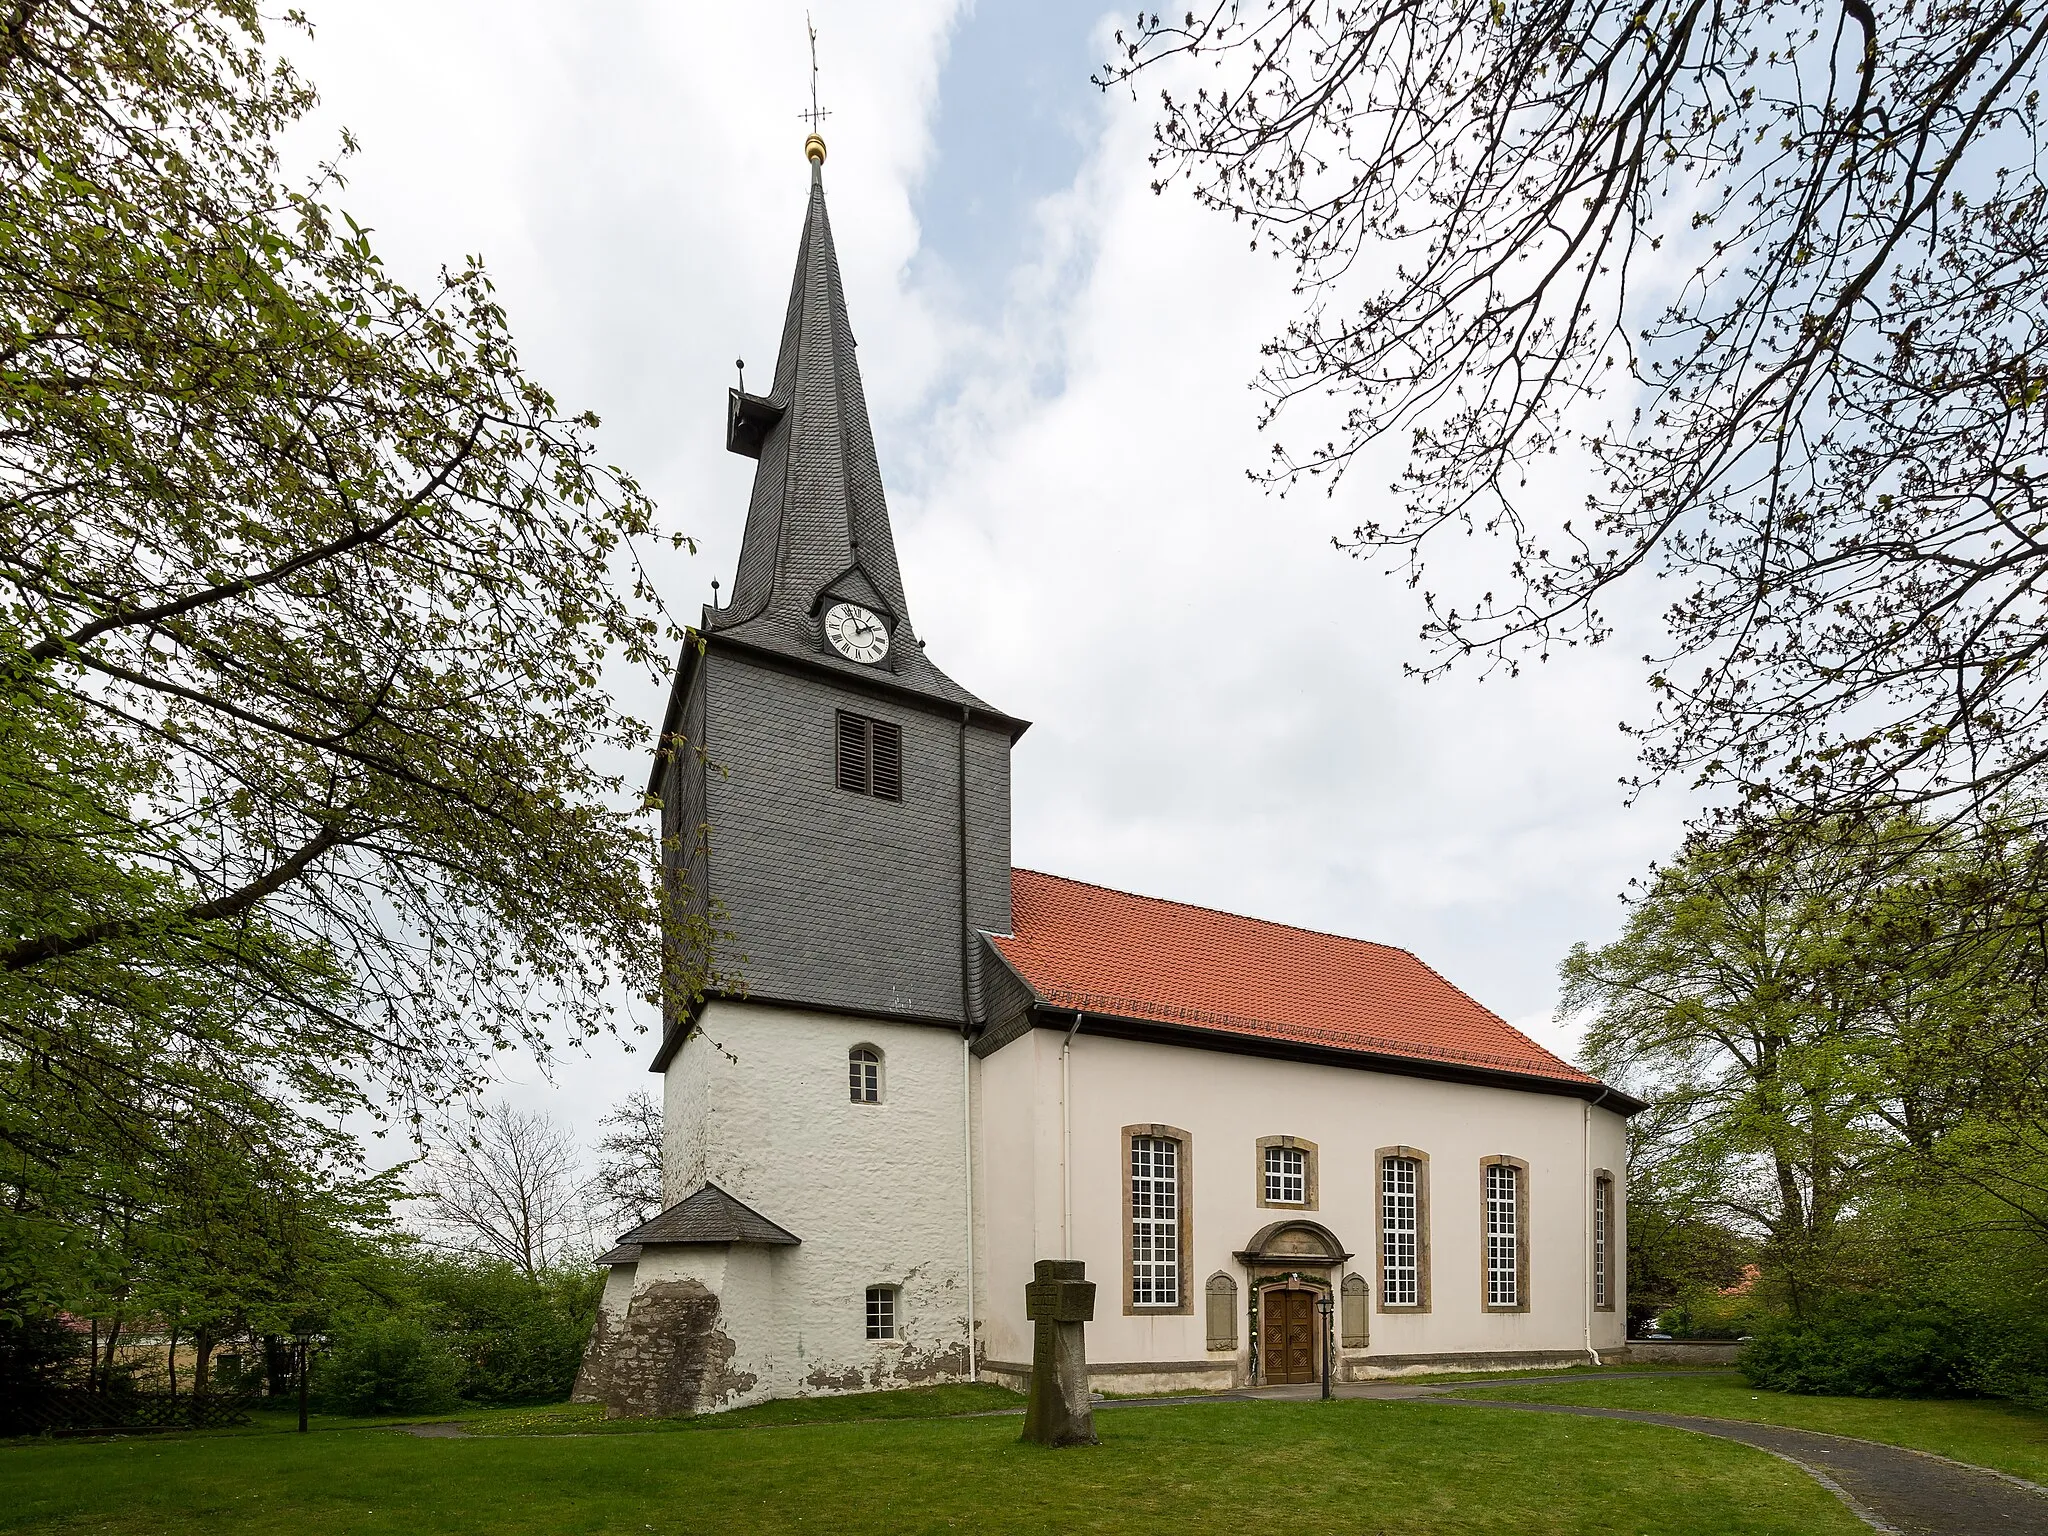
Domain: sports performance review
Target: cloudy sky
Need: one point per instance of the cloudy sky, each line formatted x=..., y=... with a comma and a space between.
x=1057, y=361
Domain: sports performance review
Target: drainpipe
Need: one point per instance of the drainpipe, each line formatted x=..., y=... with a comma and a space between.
x=1067, y=1142
x=967, y=1156
x=966, y=1049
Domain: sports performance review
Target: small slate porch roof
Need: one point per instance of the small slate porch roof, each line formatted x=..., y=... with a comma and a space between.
x=708, y=1216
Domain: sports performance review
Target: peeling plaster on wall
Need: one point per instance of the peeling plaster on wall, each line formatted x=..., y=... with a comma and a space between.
x=669, y=1356
x=592, y=1376
x=875, y=1193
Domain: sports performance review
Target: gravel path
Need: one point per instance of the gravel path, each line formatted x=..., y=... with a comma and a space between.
x=1906, y=1492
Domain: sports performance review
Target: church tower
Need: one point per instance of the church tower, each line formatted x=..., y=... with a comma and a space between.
x=836, y=822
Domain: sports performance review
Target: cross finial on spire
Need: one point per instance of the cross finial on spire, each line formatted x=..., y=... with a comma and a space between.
x=814, y=146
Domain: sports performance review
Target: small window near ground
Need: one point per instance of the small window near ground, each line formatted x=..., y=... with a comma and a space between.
x=1286, y=1176
x=881, y=1312
x=864, y=1074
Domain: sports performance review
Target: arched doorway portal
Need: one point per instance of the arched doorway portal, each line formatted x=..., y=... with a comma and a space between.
x=1293, y=1266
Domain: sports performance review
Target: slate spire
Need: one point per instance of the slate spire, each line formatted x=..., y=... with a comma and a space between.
x=818, y=521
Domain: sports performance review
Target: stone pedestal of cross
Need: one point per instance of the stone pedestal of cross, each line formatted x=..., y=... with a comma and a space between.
x=1059, y=1303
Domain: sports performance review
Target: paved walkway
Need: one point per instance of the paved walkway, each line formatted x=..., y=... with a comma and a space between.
x=1890, y=1488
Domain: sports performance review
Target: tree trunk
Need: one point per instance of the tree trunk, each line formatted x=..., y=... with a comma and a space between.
x=113, y=1337
x=171, y=1362
x=202, y=1357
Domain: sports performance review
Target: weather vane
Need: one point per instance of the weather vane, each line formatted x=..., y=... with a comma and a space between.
x=814, y=146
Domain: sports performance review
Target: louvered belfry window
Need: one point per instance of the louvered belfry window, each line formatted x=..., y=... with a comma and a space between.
x=870, y=757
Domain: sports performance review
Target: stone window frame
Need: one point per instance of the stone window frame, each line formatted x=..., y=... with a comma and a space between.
x=1309, y=1159
x=1220, y=1303
x=1522, y=1197
x=1184, y=1162
x=881, y=1074
x=894, y=1293
x=1355, y=1287
x=1379, y=1227
x=1602, y=1258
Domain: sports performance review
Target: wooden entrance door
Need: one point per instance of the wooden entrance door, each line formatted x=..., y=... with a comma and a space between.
x=1290, y=1336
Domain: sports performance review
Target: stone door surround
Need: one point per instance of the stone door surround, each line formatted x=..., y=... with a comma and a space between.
x=1291, y=1328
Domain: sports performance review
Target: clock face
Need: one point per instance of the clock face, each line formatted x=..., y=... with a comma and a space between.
x=855, y=633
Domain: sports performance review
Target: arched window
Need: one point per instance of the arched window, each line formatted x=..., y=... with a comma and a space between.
x=1222, y=1304
x=864, y=1075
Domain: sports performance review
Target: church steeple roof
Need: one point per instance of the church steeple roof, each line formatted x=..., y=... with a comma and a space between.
x=818, y=511
x=818, y=521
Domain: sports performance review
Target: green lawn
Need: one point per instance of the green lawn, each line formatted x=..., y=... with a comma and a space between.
x=588, y=1418
x=1989, y=1434
x=1369, y=1467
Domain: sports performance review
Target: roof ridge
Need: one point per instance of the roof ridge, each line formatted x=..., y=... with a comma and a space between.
x=1263, y=922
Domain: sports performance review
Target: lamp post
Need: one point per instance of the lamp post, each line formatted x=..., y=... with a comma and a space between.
x=1328, y=1307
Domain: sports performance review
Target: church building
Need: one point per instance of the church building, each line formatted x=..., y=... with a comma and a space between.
x=923, y=1069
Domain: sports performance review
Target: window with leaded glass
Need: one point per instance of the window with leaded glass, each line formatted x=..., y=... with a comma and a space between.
x=1286, y=1176
x=1603, y=1211
x=881, y=1312
x=1400, y=1258
x=864, y=1074
x=1503, y=1235
x=1155, y=1221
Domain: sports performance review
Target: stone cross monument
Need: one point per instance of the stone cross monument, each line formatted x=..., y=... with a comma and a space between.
x=1059, y=1301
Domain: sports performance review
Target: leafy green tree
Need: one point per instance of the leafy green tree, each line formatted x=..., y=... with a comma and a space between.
x=1803, y=1010
x=394, y=1363
x=306, y=592
x=519, y=1336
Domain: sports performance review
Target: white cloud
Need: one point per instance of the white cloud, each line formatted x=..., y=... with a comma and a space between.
x=1220, y=712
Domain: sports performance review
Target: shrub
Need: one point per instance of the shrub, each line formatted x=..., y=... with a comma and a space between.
x=1867, y=1346
x=393, y=1364
x=519, y=1338
x=39, y=1352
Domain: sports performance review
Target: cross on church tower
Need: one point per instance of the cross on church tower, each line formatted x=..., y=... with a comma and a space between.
x=814, y=146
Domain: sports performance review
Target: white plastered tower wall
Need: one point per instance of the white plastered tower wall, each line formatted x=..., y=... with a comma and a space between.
x=1225, y=1103
x=756, y=1101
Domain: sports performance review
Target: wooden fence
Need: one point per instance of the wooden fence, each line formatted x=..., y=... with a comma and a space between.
x=69, y=1411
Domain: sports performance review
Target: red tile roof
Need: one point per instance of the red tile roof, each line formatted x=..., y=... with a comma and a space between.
x=1136, y=957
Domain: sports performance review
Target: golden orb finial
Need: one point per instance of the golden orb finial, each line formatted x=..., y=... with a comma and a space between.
x=814, y=150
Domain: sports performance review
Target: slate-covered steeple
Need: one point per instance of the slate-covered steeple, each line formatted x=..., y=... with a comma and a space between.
x=818, y=522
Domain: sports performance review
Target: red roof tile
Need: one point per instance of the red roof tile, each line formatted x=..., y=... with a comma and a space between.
x=1137, y=957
